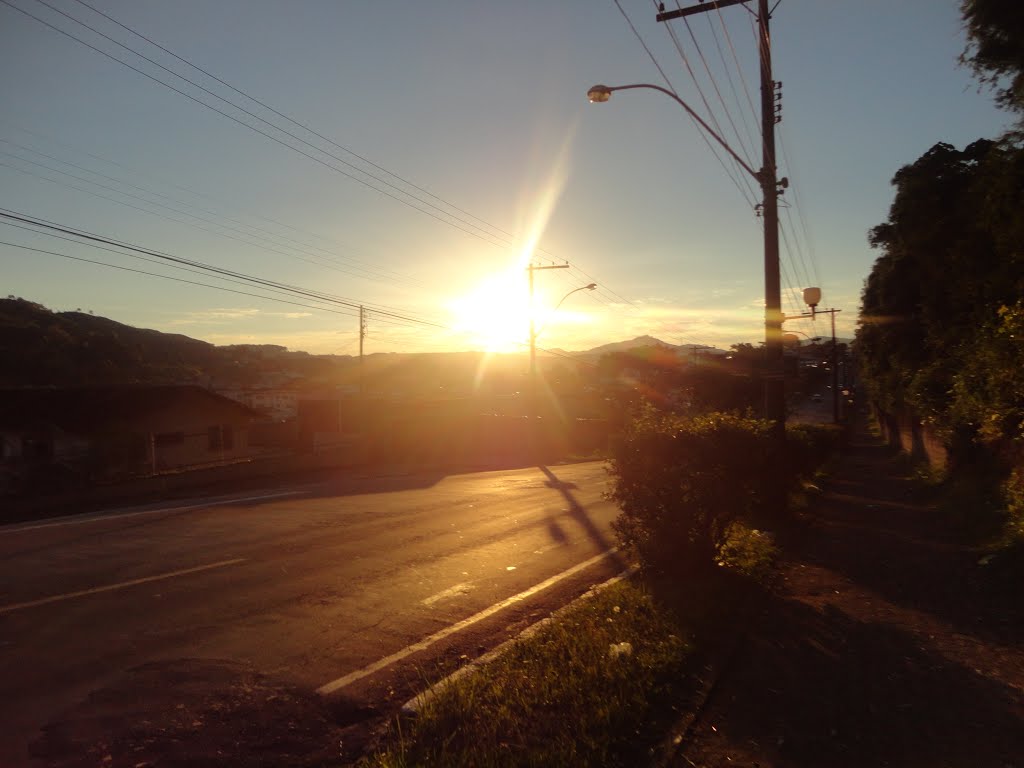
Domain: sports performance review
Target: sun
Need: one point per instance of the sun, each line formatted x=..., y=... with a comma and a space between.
x=496, y=313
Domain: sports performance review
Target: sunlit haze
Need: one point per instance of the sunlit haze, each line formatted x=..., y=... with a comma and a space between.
x=434, y=155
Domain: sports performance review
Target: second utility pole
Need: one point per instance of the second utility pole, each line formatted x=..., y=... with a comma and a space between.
x=533, y=414
x=774, y=391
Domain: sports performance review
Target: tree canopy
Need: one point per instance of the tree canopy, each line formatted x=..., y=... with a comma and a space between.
x=939, y=300
x=995, y=48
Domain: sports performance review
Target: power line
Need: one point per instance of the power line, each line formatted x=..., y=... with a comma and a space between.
x=252, y=127
x=151, y=261
x=700, y=91
x=317, y=260
x=257, y=117
x=481, y=233
x=728, y=171
x=375, y=273
x=189, y=191
x=175, y=279
x=91, y=237
x=714, y=84
x=288, y=118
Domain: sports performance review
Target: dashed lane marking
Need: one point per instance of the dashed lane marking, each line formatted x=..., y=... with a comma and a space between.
x=121, y=585
x=458, y=589
x=162, y=510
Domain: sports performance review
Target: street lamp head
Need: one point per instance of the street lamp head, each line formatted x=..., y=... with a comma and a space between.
x=812, y=297
x=591, y=287
x=599, y=94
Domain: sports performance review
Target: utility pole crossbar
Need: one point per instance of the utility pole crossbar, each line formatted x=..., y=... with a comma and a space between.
x=714, y=5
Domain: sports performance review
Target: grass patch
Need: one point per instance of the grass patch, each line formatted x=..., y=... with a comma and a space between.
x=593, y=688
x=749, y=551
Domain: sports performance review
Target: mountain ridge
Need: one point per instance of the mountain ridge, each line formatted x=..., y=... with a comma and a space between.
x=43, y=347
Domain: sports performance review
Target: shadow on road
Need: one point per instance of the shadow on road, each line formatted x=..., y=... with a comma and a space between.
x=579, y=513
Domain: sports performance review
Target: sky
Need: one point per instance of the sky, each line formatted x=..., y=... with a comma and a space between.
x=453, y=146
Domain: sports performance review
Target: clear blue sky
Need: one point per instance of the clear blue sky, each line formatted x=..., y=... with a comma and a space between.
x=484, y=105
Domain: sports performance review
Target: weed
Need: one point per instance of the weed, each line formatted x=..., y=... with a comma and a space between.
x=748, y=551
x=589, y=689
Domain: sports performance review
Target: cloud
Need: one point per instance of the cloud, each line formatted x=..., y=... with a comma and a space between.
x=215, y=316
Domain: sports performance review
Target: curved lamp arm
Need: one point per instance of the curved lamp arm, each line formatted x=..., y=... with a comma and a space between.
x=561, y=301
x=601, y=93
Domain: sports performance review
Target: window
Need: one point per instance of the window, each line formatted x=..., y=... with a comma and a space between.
x=221, y=437
x=168, y=438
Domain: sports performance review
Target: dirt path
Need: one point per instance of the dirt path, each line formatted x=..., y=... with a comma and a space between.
x=885, y=642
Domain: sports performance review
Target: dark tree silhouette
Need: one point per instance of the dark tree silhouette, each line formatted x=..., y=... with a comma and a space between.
x=995, y=48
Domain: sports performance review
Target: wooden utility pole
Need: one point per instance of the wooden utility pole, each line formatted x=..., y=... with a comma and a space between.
x=533, y=399
x=834, y=356
x=362, y=331
x=775, y=399
x=362, y=336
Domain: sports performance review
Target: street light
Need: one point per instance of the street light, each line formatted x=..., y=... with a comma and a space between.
x=534, y=333
x=812, y=297
x=599, y=94
x=775, y=404
x=561, y=301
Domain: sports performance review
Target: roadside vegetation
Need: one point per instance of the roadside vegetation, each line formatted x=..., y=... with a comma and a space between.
x=595, y=687
x=696, y=489
x=603, y=682
x=941, y=330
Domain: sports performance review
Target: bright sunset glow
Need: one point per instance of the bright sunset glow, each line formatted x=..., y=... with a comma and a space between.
x=496, y=314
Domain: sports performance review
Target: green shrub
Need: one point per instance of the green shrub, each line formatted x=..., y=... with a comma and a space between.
x=681, y=483
x=1013, y=493
x=808, y=447
x=749, y=551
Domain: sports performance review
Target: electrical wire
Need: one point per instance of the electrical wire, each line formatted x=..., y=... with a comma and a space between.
x=480, y=233
x=176, y=279
x=317, y=260
x=257, y=117
x=707, y=106
x=714, y=84
x=322, y=162
x=288, y=118
x=725, y=167
x=95, y=238
x=378, y=273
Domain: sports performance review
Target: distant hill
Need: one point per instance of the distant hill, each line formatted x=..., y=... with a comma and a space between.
x=625, y=346
x=41, y=347
x=643, y=342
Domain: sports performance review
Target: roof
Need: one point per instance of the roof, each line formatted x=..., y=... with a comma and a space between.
x=87, y=409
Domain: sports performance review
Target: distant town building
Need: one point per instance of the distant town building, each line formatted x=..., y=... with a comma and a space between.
x=118, y=431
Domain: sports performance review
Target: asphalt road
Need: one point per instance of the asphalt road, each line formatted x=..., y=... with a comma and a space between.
x=316, y=587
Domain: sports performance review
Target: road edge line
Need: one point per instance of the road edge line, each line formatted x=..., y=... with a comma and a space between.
x=413, y=705
x=387, y=661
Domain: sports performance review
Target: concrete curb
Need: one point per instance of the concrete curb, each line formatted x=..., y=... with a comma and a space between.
x=412, y=707
x=673, y=745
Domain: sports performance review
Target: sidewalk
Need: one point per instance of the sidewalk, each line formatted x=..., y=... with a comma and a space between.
x=883, y=644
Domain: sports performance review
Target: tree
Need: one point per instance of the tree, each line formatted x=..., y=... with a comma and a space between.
x=995, y=48
x=951, y=258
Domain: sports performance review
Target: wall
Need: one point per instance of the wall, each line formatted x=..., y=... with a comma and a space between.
x=907, y=432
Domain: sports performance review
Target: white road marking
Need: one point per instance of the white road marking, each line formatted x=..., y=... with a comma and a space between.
x=458, y=589
x=426, y=642
x=414, y=704
x=78, y=520
x=122, y=585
